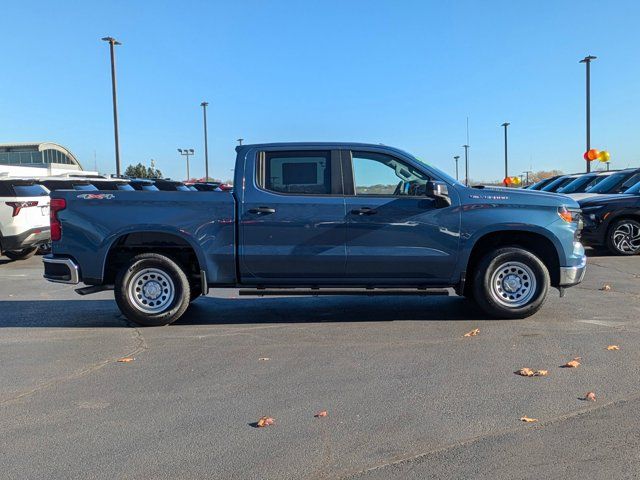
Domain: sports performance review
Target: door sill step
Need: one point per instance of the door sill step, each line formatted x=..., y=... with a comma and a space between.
x=347, y=291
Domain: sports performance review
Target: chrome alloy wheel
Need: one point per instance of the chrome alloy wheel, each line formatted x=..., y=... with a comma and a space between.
x=151, y=290
x=626, y=237
x=513, y=284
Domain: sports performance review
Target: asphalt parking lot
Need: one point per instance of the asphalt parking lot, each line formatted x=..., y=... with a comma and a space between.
x=407, y=395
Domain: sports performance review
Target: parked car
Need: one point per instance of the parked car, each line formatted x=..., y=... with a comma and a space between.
x=407, y=225
x=66, y=184
x=613, y=221
x=542, y=183
x=585, y=182
x=143, y=184
x=108, y=184
x=617, y=182
x=560, y=182
x=24, y=217
x=167, y=185
x=206, y=186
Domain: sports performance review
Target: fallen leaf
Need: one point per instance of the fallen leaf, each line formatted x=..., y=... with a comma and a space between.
x=264, y=359
x=265, y=422
x=590, y=396
x=572, y=364
x=472, y=333
x=527, y=372
x=606, y=287
x=613, y=347
x=527, y=419
x=126, y=359
x=321, y=413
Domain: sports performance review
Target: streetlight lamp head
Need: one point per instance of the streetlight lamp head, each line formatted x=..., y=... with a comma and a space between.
x=456, y=157
x=180, y=150
x=111, y=40
x=191, y=150
x=505, y=124
x=204, y=104
x=588, y=58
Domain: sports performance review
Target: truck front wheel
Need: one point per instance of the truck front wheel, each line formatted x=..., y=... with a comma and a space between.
x=152, y=290
x=510, y=283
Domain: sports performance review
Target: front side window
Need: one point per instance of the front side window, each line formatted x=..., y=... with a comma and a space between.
x=305, y=173
x=380, y=174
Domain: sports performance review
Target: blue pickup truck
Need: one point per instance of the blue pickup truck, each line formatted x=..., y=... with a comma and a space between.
x=317, y=218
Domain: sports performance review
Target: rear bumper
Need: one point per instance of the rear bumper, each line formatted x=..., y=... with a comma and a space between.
x=61, y=270
x=570, y=276
x=30, y=238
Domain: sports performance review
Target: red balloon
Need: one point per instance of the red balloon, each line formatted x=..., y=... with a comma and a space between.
x=593, y=154
x=586, y=156
x=507, y=181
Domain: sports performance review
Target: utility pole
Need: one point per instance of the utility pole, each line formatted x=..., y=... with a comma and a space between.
x=186, y=152
x=506, y=157
x=587, y=61
x=466, y=164
x=456, y=158
x=112, y=43
x=206, y=146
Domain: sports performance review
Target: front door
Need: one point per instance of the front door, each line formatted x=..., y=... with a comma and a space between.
x=292, y=220
x=395, y=233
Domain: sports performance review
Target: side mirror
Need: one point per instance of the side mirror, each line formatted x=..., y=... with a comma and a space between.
x=439, y=191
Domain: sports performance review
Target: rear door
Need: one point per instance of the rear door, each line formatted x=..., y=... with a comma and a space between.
x=395, y=233
x=292, y=218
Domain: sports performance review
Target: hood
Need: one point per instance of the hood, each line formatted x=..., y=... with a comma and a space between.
x=582, y=196
x=519, y=195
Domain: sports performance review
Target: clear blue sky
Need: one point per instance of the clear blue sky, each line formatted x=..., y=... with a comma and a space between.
x=403, y=73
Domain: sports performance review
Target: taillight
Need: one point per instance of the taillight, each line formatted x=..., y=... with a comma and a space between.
x=57, y=204
x=17, y=206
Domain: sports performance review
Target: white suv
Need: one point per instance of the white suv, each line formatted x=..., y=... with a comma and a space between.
x=24, y=217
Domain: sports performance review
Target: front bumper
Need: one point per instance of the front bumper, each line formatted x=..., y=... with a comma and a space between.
x=570, y=276
x=60, y=270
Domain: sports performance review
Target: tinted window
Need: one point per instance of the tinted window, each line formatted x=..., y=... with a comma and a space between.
x=84, y=187
x=379, y=174
x=630, y=182
x=578, y=185
x=182, y=188
x=29, y=190
x=606, y=185
x=125, y=187
x=307, y=173
x=150, y=188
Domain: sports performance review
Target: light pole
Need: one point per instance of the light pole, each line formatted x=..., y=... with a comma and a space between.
x=240, y=141
x=113, y=42
x=206, y=146
x=506, y=161
x=466, y=164
x=186, y=152
x=527, y=172
x=456, y=158
x=587, y=61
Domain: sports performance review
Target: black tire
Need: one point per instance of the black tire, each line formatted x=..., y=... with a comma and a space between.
x=21, y=254
x=162, y=273
x=619, y=235
x=516, y=265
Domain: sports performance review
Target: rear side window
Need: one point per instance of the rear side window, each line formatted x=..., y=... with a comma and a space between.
x=29, y=190
x=84, y=187
x=125, y=187
x=302, y=173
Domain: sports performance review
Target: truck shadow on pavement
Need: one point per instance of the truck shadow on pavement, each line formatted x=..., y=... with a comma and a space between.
x=86, y=313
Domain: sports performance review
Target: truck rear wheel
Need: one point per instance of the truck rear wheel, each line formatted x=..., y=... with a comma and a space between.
x=510, y=283
x=152, y=290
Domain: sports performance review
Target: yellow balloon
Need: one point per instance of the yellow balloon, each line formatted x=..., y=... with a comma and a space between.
x=516, y=180
x=604, y=156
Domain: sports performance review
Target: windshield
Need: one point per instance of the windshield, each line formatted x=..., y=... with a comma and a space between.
x=634, y=190
x=580, y=184
x=445, y=176
x=611, y=183
x=29, y=190
x=556, y=184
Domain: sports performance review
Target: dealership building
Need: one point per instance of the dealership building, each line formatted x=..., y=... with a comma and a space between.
x=37, y=160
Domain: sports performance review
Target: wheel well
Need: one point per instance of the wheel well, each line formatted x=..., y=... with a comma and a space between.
x=536, y=243
x=132, y=244
x=624, y=216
